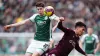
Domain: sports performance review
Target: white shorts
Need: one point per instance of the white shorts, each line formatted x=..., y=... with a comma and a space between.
x=90, y=54
x=38, y=46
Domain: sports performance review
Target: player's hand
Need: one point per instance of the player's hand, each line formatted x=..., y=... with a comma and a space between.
x=62, y=18
x=50, y=47
x=7, y=27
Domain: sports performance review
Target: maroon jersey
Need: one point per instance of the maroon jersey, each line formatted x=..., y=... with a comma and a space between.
x=67, y=43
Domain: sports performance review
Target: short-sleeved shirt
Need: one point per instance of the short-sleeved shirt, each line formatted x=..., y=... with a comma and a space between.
x=43, y=26
x=89, y=42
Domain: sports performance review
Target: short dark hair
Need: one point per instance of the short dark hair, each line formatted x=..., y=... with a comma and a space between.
x=39, y=4
x=80, y=24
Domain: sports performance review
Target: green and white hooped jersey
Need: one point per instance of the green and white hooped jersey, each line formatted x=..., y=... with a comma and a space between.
x=43, y=26
x=89, y=42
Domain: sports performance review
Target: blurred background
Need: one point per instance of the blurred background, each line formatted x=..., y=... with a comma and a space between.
x=16, y=40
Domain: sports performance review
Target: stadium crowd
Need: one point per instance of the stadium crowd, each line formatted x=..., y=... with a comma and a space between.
x=12, y=11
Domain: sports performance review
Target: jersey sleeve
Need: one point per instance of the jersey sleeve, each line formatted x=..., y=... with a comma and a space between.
x=79, y=49
x=33, y=17
x=97, y=39
x=61, y=27
x=83, y=38
x=54, y=17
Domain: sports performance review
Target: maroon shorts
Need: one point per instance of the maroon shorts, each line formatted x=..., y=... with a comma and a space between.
x=53, y=53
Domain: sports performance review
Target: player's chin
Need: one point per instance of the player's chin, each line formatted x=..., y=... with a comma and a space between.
x=80, y=34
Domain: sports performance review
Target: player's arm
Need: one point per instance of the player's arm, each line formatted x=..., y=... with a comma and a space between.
x=61, y=27
x=82, y=41
x=97, y=47
x=80, y=44
x=27, y=21
x=17, y=24
x=55, y=26
x=79, y=49
x=55, y=19
x=51, y=44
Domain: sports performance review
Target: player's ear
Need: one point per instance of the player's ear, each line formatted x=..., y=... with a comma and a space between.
x=77, y=28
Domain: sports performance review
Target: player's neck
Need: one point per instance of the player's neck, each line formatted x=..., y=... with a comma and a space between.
x=76, y=33
x=41, y=14
x=90, y=34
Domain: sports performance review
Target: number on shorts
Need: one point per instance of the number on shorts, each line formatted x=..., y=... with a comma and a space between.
x=46, y=45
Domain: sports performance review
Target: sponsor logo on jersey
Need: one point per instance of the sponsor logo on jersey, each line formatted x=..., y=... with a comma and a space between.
x=72, y=42
x=89, y=41
x=41, y=22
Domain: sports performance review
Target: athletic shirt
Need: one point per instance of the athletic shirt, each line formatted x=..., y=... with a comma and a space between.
x=89, y=42
x=43, y=26
x=68, y=42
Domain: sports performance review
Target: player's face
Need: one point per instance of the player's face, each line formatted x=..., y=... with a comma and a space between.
x=90, y=30
x=80, y=30
x=40, y=10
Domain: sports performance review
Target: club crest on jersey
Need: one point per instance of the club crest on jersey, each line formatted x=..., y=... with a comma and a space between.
x=46, y=18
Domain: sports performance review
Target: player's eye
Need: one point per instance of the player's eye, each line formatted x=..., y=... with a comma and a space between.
x=39, y=8
x=83, y=29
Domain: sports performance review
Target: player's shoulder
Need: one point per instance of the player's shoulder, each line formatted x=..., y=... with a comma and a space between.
x=35, y=14
x=94, y=35
x=84, y=35
x=33, y=17
x=54, y=17
x=70, y=30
